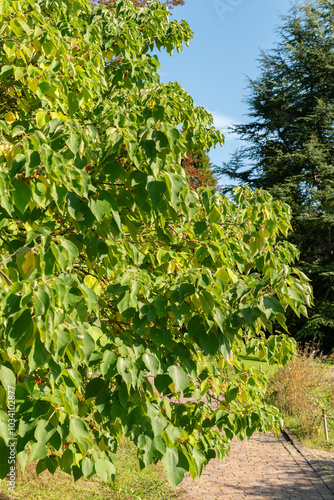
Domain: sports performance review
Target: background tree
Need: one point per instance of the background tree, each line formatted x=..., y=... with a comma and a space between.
x=291, y=152
x=200, y=170
x=121, y=288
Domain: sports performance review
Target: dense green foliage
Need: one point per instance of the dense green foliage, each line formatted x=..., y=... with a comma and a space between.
x=141, y=3
x=291, y=152
x=112, y=267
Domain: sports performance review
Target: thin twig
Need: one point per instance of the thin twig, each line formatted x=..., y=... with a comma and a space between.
x=3, y=239
x=27, y=249
x=108, y=183
x=9, y=281
x=87, y=273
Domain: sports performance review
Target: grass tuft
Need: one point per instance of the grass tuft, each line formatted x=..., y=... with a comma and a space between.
x=303, y=390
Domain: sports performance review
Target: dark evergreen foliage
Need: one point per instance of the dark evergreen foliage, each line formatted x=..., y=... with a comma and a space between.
x=290, y=148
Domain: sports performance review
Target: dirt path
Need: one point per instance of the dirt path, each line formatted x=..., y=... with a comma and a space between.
x=264, y=468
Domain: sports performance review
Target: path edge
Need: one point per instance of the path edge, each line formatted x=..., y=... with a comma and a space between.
x=326, y=477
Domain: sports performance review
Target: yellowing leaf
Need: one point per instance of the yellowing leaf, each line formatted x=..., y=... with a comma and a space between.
x=204, y=386
x=16, y=150
x=5, y=149
x=22, y=56
x=171, y=267
x=102, y=445
x=31, y=227
x=146, y=248
x=172, y=387
x=42, y=119
x=79, y=395
x=53, y=115
x=43, y=179
x=93, y=283
x=28, y=263
x=36, y=44
x=227, y=275
x=33, y=84
x=244, y=396
x=264, y=234
x=233, y=276
x=10, y=117
x=262, y=354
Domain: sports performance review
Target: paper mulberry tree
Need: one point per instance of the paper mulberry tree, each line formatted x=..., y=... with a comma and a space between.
x=122, y=289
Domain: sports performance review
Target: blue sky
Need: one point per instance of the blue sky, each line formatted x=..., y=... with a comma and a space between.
x=228, y=37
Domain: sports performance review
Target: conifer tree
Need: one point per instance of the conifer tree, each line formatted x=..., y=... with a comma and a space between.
x=290, y=149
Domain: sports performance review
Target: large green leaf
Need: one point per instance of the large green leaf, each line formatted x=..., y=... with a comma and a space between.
x=80, y=433
x=171, y=461
x=4, y=429
x=103, y=205
x=186, y=290
x=90, y=296
x=19, y=329
x=109, y=360
x=159, y=424
x=175, y=186
x=7, y=378
x=271, y=305
x=174, y=433
x=105, y=469
x=179, y=376
x=87, y=466
x=73, y=103
x=22, y=194
x=74, y=142
x=173, y=135
x=156, y=190
x=38, y=451
x=71, y=249
x=100, y=208
x=152, y=363
x=160, y=139
x=199, y=459
x=251, y=314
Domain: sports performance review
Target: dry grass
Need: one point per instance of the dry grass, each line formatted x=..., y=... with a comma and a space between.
x=303, y=389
